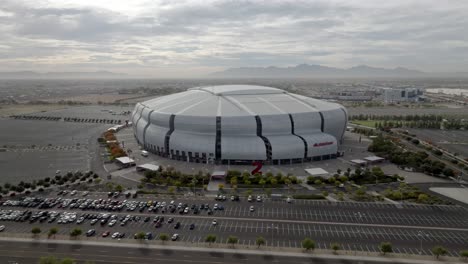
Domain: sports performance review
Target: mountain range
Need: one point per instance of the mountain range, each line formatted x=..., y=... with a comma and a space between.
x=316, y=71
x=59, y=75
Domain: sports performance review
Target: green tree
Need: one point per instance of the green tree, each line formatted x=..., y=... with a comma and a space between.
x=119, y=188
x=67, y=261
x=464, y=254
x=274, y=181
x=439, y=251
x=220, y=186
x=386, y=247
x=140, y=236
x=210, y=239
x=48, y=260
x=423, y=198
x=232, y=240
x=335, y=247
x=260, y=241
x=164, y=237
x=233, y=181
x=262, y=182
x=76, y=232
x=36, y=231
x=308, y=244
x=52, y=232
x=171, y=189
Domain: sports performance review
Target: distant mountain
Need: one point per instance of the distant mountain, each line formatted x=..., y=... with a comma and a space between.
x=315, y=71
x=59, y=75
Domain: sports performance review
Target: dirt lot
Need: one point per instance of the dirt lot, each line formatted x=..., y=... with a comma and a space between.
x=95, y=98
x=7, y=110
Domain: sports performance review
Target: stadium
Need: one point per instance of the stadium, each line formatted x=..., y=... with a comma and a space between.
x=239, y=124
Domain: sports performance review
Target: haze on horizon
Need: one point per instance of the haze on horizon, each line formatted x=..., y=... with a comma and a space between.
x=195, y=38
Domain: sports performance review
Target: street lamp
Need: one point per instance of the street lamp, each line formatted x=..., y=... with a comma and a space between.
x=272, y=227
x=421, y=234
x=359, y=216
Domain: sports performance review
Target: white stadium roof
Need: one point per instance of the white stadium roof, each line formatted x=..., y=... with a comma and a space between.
x=236, y=100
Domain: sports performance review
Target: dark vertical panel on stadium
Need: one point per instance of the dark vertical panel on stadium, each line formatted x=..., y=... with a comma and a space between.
x=322, y=125
x=168, y=134
x=306, y=149
x=136, y=123
x=218, y=139
x=346, y=122
x=146, y=127
x=265, y=140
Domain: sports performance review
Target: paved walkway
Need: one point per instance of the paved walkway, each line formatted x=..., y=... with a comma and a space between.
x=459, y=194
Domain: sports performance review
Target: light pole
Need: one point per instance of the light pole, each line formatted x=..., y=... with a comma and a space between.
x=359, y=216
x=272, y=227
x=421, y=234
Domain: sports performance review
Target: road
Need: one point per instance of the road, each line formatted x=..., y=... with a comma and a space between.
x=30, y=252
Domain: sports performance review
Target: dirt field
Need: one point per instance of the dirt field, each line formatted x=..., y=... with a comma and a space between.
x=7, y=110
x=95, y=98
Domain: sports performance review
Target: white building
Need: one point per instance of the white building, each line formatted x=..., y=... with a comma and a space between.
x=397, y=95
x=238, y=124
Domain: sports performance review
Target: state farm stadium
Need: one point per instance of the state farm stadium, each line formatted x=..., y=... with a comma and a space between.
x=239, y=124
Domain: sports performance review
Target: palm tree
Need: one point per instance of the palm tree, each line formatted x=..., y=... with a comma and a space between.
x=35, y=231
x=140, y=236
x=308, y=244
x=210, y=239
x=260, y=241
x=232, y=240
x=335, y=247
x=52, y=232
x=164, y=237
x=76, y=232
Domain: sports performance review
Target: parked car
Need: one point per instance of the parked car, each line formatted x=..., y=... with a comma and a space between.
x=105, y=234
x=90, y=232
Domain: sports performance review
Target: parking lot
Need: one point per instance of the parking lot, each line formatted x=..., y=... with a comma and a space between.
x=37, y=149
x=355, y=226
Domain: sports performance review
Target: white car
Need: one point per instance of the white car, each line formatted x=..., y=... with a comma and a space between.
x=249, y=199
x=2, y=227
x=259, y=198
x=73, y=192
x=175, y=237
x=289, y=200
x=252, y=208
x=215, y=222
x=144, y=153
x=112, y=223
x=85, y=193
x=115, y=235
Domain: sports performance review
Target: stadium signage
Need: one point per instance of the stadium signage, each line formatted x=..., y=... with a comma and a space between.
x=321, y=144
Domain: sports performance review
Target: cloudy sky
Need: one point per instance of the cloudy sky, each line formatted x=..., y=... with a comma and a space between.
x=192, y=38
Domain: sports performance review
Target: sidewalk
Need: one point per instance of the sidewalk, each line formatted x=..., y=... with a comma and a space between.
x=221, y=248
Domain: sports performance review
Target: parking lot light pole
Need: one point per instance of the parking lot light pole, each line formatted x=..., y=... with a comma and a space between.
x=272, y=227
x=421, y=234
x=359, y=216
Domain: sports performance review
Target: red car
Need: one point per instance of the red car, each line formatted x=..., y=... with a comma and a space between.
x=106, y=234
x=158, y=224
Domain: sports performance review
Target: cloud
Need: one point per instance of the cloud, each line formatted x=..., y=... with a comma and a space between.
x=135, y=36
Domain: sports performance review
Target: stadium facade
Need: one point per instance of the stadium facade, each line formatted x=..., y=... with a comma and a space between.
x=239, y=124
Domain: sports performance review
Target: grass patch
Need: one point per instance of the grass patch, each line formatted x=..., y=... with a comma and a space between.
x=367, y=123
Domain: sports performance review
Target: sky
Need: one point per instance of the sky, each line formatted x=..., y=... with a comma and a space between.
x=194, y=38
